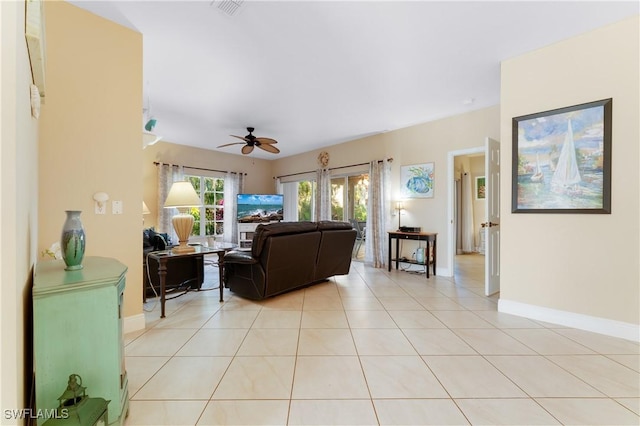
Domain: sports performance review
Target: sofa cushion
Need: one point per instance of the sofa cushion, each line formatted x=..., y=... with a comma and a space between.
x=334, y=252
x=325, y=225
x=289, y=261
x=281, y=228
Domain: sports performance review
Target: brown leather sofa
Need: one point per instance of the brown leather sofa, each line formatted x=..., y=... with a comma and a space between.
x=289, y=255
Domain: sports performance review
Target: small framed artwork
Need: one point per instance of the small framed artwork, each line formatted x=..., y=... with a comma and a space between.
x=417, y=181
x=562, y=160
x=480, y=187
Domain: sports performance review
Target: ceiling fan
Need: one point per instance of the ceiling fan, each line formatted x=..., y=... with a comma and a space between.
x=251, y=141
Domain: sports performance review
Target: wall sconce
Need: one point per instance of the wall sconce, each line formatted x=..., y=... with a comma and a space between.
x=101, y=199
x=182, y=196
x=399, y=208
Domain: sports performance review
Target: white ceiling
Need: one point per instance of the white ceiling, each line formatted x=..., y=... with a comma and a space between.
x=313, y=74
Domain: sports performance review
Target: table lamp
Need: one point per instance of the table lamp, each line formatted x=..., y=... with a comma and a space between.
x=399, y=207
x=182, y=196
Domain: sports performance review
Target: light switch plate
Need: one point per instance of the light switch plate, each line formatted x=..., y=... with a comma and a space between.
x=116, y=207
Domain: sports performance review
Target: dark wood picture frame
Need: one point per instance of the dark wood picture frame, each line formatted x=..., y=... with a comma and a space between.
x=561, y=160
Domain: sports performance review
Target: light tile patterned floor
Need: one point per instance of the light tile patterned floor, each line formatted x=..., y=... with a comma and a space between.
x=374, y=348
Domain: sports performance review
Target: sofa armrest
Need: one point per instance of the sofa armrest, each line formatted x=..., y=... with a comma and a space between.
x=240, y=257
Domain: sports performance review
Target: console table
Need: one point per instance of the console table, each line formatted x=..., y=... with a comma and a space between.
x=166, y=258
x=430, y=254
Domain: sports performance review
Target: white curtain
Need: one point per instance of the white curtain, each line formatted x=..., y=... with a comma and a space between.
x=378, y=214
x=458, y=215
x=167, y=174
x=323, y=195
x=233, y=185
x=290, y=192
x=278, y=184
x=467, y=214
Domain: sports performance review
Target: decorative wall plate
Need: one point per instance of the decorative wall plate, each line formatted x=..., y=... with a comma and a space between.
x=323, y=158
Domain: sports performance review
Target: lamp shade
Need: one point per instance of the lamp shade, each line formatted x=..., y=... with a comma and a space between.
x=182, y=194
x=145, y=209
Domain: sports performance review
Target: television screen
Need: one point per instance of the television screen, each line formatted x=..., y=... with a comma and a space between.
x=259, y=207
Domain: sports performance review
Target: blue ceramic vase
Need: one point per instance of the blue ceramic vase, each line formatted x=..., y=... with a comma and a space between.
x=72, y=241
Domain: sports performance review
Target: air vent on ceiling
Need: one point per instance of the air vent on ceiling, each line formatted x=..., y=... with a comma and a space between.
x=228, y=7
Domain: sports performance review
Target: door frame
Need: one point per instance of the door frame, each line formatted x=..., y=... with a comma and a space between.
x=451, y=200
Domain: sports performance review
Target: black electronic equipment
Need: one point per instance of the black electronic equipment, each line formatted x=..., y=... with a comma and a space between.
x=413, y=229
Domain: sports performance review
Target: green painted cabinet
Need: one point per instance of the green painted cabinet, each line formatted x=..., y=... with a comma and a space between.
x=77, y=327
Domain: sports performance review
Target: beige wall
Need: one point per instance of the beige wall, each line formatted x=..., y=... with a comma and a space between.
x=18, y=207
x=90, y=136
x=423, y=143
x=258, y=177
x=584, y=264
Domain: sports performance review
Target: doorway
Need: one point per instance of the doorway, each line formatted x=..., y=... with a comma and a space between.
x=468, y=217
x=349, y=198
x=490, y=196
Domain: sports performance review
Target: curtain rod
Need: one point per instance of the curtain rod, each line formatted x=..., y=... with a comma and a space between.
x=330, y=168
x=200, y=168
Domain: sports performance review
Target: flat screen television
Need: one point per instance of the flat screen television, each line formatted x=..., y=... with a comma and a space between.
x=253, y=208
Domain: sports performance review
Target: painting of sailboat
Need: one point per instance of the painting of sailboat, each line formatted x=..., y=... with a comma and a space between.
x=566, y=174
x=562, y=160
x=538, y=176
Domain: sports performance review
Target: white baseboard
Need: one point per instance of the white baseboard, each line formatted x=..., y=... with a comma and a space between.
x=623, y=330
x=443, y=272
x=134, y=323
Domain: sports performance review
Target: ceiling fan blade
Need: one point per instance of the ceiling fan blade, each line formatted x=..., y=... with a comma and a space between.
x=229, y=144
x=247, y=149
x=269, y=148
x=266, y=140
x=240, y=137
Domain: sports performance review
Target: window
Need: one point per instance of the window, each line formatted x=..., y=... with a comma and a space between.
x=306, y=199
x=210, y=216
x=350, y=191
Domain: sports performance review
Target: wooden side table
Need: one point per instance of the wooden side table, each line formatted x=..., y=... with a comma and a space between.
x=167, y=258
x=429, y=237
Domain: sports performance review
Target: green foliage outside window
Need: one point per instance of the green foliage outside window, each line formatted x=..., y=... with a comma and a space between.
x=208, y=219
x=360, y=198
x=305, y=192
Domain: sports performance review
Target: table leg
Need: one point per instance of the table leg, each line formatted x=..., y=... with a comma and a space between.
x=427, y=256
x=390, y=253
x=221, y=273
x=397, y=253
x=162, y=274
x=434, y=255
x=199, y=272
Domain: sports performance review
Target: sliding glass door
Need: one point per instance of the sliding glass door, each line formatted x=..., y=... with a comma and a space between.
x=349, y=196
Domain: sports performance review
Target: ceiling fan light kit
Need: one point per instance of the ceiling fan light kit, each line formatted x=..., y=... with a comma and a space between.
x=251, y=141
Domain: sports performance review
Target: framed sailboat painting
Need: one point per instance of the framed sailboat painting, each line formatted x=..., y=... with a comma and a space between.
x=562, y=160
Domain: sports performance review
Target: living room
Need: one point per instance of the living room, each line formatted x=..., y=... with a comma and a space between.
x=578, y=270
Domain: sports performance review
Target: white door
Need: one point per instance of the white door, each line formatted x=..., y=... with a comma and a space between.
x=492, y=214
